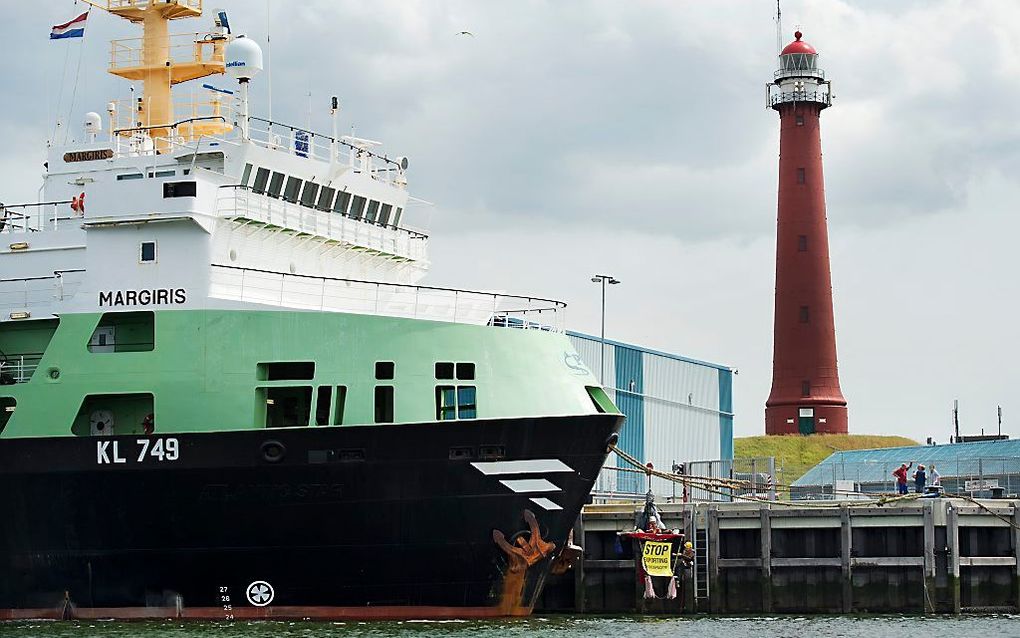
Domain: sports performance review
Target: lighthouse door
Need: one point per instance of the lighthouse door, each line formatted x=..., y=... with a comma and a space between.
x=806, y=421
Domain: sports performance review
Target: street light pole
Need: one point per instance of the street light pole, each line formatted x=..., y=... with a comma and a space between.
x=603, y=279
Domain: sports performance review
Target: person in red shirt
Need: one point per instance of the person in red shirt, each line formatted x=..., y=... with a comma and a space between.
x=901, y=477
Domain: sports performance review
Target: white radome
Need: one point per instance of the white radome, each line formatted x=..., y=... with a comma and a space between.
x=243, y=58
x=93, y=122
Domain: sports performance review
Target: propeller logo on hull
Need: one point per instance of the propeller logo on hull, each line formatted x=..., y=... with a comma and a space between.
x=260, y=593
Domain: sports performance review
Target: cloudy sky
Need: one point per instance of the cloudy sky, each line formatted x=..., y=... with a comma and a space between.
x=567, y=138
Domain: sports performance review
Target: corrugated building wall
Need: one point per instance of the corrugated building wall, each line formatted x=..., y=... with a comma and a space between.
x=678, y=409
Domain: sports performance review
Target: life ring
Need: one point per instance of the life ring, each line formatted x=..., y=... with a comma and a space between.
x=149, y=424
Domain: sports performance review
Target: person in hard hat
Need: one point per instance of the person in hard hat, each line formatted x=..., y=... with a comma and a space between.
x=687, y=556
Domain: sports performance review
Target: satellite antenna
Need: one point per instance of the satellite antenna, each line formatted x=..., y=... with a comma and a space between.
x=243, y=62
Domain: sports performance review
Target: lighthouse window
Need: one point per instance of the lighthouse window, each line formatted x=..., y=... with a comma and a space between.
x=799, y=119
x=343, y=200
x=275, y=185
x=384, y=404
x=805, y=388
x=801, y=243
x=358, y=207
x=261, y=179
x=804, y=314
x=373, y=211
x=310, y=192
x=801, y=176
x=326, y=198
x=290, y=193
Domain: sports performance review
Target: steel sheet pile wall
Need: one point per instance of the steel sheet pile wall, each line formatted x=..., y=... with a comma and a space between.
x=678, y=409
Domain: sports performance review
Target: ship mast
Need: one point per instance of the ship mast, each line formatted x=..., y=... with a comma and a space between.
x=160, y=61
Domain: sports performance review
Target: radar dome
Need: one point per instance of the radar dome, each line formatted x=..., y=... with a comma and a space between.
x=93, y=122
x=243, y=58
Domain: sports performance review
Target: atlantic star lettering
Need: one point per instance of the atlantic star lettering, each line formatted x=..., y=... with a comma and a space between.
x=155, y=297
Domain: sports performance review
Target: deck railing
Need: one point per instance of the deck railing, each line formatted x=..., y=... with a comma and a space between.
x=22, y=218
x=24, y=294
x=240, y=202
x=307, y=292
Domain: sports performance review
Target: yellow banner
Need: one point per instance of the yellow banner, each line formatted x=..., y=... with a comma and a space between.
x=656, y=560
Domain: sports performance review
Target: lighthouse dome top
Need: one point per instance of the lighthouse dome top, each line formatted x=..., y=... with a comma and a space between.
x=798, y=46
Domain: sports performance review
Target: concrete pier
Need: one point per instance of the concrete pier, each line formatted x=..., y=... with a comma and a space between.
x=940, y=555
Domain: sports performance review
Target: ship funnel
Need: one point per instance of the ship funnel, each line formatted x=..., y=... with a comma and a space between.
x=243, y=58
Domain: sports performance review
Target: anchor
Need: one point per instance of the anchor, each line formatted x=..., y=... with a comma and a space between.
x=522, y=554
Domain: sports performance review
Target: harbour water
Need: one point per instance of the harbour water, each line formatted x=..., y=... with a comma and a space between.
x=559, y=626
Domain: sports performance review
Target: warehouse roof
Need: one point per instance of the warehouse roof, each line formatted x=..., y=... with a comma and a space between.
x=657, y=353
x=872, y=466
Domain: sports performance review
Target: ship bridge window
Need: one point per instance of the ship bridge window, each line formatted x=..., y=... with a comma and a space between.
x=285, y=371
x=275, y=185
x=290, y=193
x=343, y=201
x=116, y=414
x=309, y=194
x=325, y=198
x=246, y=175
x=7, y=405
x=384, y=214
x=396, y=217
x=158, y=174
x=373, y=211
x=261, y=180
x=456, y=402
x=285, y=406
x=127, y=331
x=126, y=176
x=357, y=207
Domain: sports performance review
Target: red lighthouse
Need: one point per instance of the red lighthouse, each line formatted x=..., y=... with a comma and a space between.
x=805, y=395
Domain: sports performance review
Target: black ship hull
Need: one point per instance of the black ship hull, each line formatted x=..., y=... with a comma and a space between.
x=384, y=521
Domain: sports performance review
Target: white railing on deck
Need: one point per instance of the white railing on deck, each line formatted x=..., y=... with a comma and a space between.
x=23, y=294
x=19, y=368
x=240, y=202
x=307, y=292
x=20, y=218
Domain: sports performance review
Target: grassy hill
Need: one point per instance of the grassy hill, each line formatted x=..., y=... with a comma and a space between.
x=797, y=454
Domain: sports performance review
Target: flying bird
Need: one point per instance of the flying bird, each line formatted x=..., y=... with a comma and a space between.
x=465, y=33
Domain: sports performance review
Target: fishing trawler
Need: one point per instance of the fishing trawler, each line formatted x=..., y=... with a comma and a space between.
x=225, y=393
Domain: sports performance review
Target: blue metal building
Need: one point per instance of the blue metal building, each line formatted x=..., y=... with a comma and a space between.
x=965, y=468
x=678, y=409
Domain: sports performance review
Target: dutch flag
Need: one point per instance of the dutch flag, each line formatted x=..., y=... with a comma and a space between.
x=73, y=29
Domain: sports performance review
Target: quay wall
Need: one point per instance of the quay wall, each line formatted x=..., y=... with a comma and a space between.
x=937, y=555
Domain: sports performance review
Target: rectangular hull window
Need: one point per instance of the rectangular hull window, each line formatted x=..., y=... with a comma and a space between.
x=467, y=407
x=124, y=332
x=384, y=404
x=286, y=371
x=287, y=407
x=322, y=402
x=338, y=406
x=446, y=403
